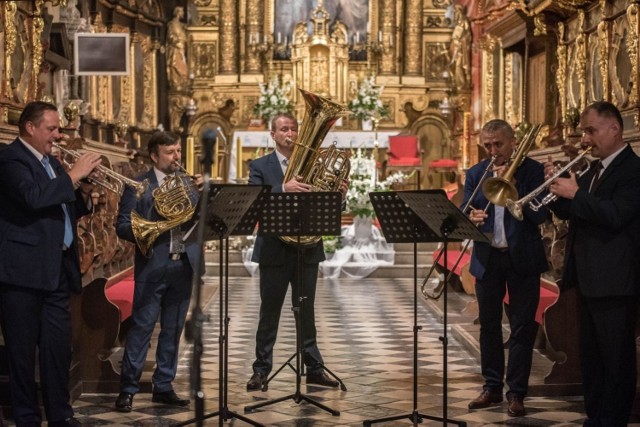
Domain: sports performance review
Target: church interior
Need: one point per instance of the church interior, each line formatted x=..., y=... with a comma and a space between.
x=418, y=79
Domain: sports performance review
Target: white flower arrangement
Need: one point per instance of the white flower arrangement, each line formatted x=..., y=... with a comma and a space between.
x=273, y=100
x=367, y=103
x=363, y=181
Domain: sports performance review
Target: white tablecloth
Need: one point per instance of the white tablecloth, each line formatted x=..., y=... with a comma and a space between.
x=343, y=139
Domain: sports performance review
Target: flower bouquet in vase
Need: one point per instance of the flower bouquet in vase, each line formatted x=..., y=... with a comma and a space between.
x=273, y=100
x=367, y=104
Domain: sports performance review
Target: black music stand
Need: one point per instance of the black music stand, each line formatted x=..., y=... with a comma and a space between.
x=228, y=208
x=300, y=214
x=422, y=216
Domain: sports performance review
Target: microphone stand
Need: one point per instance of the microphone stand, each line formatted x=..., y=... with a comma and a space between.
x=195, y=324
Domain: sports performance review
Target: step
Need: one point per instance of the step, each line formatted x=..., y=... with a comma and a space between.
x=401, y=257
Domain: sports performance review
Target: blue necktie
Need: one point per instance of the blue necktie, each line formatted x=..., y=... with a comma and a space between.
x=68, y=232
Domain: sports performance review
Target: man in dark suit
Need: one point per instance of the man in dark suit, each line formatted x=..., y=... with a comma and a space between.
x=601, y=261
x=163, y=278
x=513, y=262
x=39, y=205
x=279, y=265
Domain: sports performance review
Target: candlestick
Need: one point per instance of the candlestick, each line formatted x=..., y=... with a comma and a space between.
x=239, y=173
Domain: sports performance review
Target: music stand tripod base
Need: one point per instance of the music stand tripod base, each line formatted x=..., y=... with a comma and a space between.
x=411, y=217
x=300, y=214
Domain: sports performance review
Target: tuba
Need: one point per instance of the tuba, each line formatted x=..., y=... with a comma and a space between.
x=324, y=169
x=175, y=200
x=499, y=189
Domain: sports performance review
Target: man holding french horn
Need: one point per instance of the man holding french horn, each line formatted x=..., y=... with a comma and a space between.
x=512, y=261
x=164, y=267
x=602, y=261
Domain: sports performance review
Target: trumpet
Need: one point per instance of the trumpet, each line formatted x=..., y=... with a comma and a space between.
x=119, y=180
x=515, y=207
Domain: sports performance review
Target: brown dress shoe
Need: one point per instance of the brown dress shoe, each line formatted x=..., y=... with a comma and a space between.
x=256, y=381
x=516, y=406
x=486, y=399
x=321, y=378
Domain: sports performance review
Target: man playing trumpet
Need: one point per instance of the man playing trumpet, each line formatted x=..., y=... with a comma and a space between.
x=513, y=261
x=601, y=261
x=40, y=265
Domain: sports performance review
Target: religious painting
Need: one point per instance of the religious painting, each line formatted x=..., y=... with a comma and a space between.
x=354, y=14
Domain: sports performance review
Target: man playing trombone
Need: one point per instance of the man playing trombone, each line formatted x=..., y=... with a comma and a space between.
x=601, y=261
x=513, y=261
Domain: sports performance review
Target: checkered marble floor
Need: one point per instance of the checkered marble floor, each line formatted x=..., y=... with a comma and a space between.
x=365, y=335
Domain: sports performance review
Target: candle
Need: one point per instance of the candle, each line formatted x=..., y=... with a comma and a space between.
x=380, y=36
x=279, y=35
x=216, y=161
x=239, y=158
x=357, y=36
x=391, y=40
x=286, y=40
x=250, y=38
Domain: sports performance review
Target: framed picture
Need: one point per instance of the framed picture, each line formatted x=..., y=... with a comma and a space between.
x=101, y=54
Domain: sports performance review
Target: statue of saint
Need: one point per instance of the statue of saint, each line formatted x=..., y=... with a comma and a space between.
x=461, y=50
x=177, y=68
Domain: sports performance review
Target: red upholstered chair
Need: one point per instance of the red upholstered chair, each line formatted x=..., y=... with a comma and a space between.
x=404, y=154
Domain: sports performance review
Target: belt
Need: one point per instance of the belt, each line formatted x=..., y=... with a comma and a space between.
x=501, y=250
x=176, y=257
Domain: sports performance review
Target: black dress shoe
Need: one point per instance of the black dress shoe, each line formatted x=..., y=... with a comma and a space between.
x=124, y=402
x=321, y=378
x=69, y=422
x=169, y=398
x=256, y=382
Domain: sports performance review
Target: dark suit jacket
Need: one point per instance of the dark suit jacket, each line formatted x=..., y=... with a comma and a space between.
x=270, y=250
x=602, y=254
x=150, y=268
x=525, y=242
x=32, y=221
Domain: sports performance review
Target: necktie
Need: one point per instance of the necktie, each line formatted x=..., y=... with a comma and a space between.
x=68, y=231
x=596, y=177
x=499, y=238
x=176, y=247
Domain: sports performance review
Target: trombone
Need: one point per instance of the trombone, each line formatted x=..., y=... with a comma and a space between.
x=119, y=180
x=515, y=207
x=501, y=188
x=440, y=288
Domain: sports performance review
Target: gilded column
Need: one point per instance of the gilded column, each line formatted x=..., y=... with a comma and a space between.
x=388, y=61
x=254, y=26
x=561, y=74
x=228, y=39
x=602, y=30
x=413, y=38
x=632, y=47
x=38, y=27
x=581, y=59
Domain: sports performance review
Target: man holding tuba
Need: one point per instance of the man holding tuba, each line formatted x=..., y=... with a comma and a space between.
x=278, y=264
x=163, y=273
x=513, y=261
